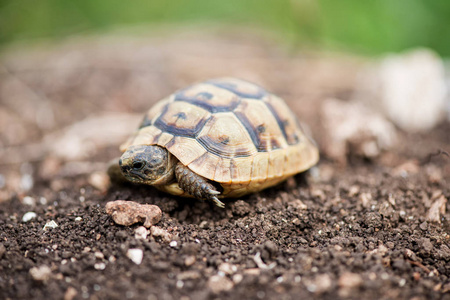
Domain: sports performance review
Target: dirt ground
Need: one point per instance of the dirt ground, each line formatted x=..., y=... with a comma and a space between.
x=352, y=228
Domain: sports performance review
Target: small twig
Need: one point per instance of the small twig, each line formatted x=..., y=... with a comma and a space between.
x=418, y=264
x=439, y=152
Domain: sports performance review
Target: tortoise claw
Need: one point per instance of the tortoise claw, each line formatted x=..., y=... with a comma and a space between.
x=217, y=202
x=214, y=192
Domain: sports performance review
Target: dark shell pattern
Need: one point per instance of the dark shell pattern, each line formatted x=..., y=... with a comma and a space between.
x=230, y=131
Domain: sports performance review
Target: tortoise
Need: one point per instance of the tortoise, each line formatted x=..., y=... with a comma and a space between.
x=220, y=138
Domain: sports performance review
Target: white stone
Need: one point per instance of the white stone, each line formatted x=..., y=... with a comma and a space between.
x=218, y=284
x=29, y=216
x=43, y=201
x=42, y=273
x=136, y=255
x=356, y=124
x=26, y=182
x=50, y=225
x=141, y=233
x=29, y=201
x=100, y=266
x=411, y=89
x=227, y=268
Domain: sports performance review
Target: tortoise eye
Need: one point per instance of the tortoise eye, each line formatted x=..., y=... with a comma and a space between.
x=138, y=165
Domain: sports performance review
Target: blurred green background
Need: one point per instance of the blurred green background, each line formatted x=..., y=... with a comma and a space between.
x=362, y=26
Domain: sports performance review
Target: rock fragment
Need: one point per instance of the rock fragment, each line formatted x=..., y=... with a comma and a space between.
x=219, y=284
x=350, y=280
x=70, y=293
x=136, y=255
x=436, y=210
x=50, y=225
x=42, y=273
x=355, y=128
x=189, y=260
x=410, y=88
x=407, y=168
x=141, y=233
x=227, y=268
x=189, y=275
x=321, y=284
x=99, y=180
x=161, y=233
x=128, y=213
x=28, y=216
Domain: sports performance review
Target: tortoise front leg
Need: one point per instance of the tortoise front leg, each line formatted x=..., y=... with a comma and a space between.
x=196, y=186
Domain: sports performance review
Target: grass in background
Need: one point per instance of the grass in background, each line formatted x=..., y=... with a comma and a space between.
x=371, y=26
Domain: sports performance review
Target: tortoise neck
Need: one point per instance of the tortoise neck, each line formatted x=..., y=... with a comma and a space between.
x=169, y=176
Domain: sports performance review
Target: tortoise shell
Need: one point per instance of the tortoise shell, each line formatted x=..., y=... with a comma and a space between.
x=229, y=131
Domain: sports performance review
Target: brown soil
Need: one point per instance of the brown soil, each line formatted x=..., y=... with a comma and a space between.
x=360, y=230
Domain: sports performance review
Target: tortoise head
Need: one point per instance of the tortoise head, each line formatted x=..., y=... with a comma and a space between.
x=146, y=164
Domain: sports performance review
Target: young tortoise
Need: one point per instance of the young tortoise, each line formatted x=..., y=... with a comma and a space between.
x=220, y=138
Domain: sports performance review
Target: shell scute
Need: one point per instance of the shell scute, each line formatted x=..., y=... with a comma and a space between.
x=286, y=119
x=206, y=165
x=182, y=119
x=154, y=112
x=225, y=136
x=208, y=97
x=241, y=169
x=239, y=87
x=188, y=149
x=262, y=126
x=223, y=171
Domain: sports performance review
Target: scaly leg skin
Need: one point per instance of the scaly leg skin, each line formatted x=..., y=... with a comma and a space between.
x=196, y=186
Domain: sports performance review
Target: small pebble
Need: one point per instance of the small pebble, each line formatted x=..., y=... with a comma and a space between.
x=219, y=284
x=173, y=244
x=42, y=273
x=78, y=219
x=43, y=201
x=29, y=216
x=99, y=266
x=436, y=210
x=29, y=201
x=298, y=205
x=70, y=293
x=128, y=213
x=350, y=280
x=99, y=180
x=323, y=283
x=162, y=233
x=50, y=225
x=227, y=268
x=141, y=233
x=189, y=275
x=237, y=278
x=180, y=284
x=26, y=182
x=189, y=261
x=136, y=255
x=252, y=272
x=423, y=226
